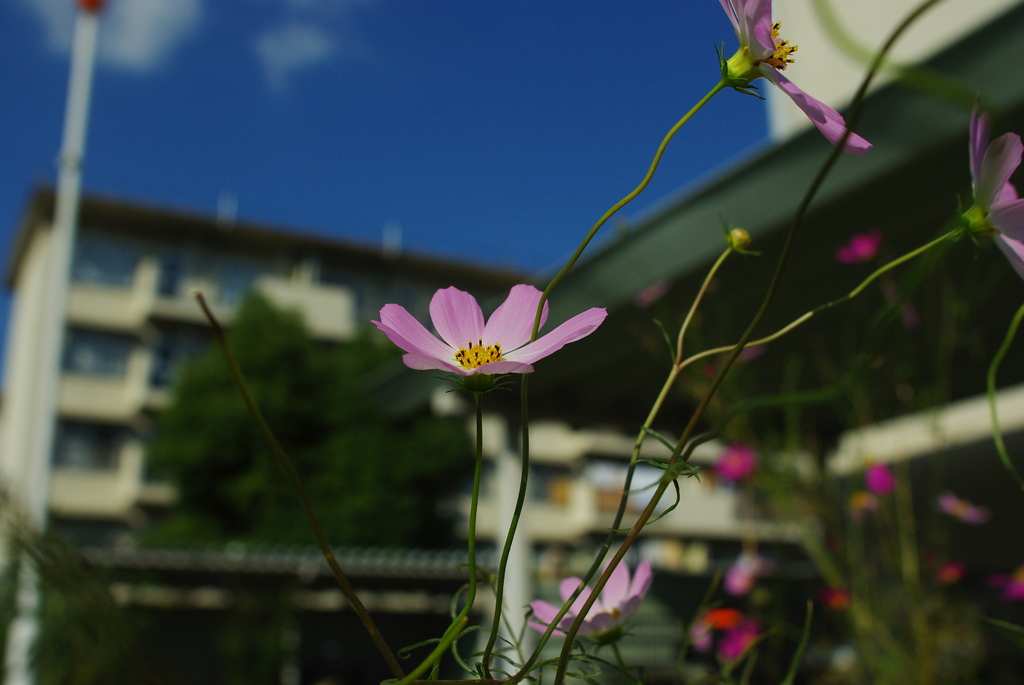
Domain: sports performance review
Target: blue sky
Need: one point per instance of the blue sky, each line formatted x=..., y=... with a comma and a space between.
x=492, y=131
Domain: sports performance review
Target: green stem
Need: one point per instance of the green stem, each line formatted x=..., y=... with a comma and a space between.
x=524, y=475
x=282, y=458
x=455, y=629
x=804, y=318
x=624, y=201
x=997, y=433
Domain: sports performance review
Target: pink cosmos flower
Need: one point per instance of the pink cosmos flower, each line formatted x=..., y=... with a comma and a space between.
x=469, y=346
x=878, y=479
x=738, y=640
x=618, y=601
x=962, y=509
x=996, y=208
x=862, y=248
x=763, y=54
x=736, y=463
x=740, y=577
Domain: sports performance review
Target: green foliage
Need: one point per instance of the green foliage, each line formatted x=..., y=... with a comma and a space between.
x=372, y=480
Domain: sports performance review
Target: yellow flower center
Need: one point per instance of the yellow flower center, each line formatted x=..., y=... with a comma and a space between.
x=783, y=50
x=477, y=354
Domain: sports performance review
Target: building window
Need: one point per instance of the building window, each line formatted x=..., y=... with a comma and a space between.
x=96, y=353
x=236, y=279
x=171, y=274
x=81, y=445
x=171, y=350
x=104, y=261
x=550, y=483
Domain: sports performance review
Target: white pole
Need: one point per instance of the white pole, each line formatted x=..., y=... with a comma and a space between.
x=36, y=486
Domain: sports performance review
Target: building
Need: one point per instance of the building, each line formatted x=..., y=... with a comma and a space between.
x=132, y=321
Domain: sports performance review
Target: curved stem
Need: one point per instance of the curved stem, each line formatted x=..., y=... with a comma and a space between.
x=623, y=202
x=997, y=433
x=524, y=476
x=282, y=458
x=455, y=629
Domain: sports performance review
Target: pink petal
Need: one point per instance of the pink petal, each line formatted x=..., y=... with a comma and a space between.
x=1008, y=218
x=544, y=612
x=598, y=623
x=1014, y=251
x=511, y=324
x=505, y=366
x=642, y=579
x=1001, y=159
x=731, y=13
x=978, y=143
x=568, y=586
x=827, y=120
x=404, y=330
x=577, y=327
x=616, y=589
x=757, y=18
x=456, y=317
x=419, y=362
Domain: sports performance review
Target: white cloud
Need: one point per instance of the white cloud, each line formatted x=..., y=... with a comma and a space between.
x=293, y=47
x=135, y=35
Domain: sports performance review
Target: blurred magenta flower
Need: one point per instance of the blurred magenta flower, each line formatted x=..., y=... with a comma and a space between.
x=763, y=54
x=651, y=294
x=469, y=346
x=835, y=598
x=878, y=479
x=724, y=618
x=736, y=641
x=1012, y=585
x=962, y=509
x=618, y=601
x=736, y=463
x=740, y=577
x=862, y=247
x=861, y=502
x=950, y=572
x=996, y=208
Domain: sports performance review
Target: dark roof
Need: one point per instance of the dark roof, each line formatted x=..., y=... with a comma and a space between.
x=180, y=227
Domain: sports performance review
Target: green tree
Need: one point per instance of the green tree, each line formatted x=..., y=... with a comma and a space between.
x=372, y=479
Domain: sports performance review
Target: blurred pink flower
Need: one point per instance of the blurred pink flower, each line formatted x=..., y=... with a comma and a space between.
x=835, y=598
x=651, y=294
x=862, y=502
x=862, y=248
x=468, y=346
x=962, y=509
x=996, y=208
x=736, y=463
x=878, y=479
x=714, y=619
x=950, y=572
x=618, y=601
x=740, y=577
x=1013, y=584
x=763, y=54
x=738, y=640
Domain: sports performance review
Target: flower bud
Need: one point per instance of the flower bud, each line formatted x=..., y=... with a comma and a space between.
x=739, y=239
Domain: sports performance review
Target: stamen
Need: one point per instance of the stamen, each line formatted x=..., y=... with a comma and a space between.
x=475, y=355
x=783, y=50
